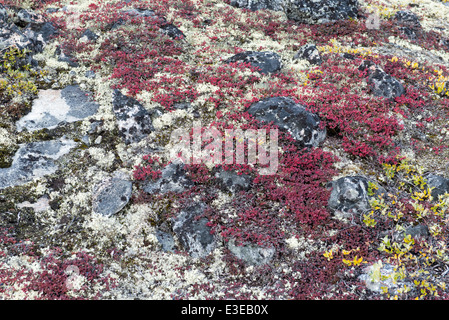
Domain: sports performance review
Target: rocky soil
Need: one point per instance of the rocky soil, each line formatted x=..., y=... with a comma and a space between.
x=95, y=97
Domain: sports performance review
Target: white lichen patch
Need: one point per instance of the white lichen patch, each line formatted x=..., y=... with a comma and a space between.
x=6, y=140
x=103, y=158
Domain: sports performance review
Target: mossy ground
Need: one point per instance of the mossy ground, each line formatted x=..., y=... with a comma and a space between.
x=304, y=267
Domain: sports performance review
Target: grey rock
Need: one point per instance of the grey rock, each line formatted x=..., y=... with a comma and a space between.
x=193, y=233
x=408, y=19
x=310, y=53
x=34, y=160
x=166, y=240
x=350, y=195
x=11, y=35
x=26, y=16
x=409, y=32
x=54, y=107
x=47, y=31
x=254, y=5
x=382, y=84
x=419, y=231
x=3, y=14
x=439, y=183
x=90, y=35
x=63, y=57
x=111, y=196
x=231, y=181
x=320, y=11
x=90, y=74
x=172, y=31
x=133, y=120
x=51, y=10
x=173, y=179
x=268, y=62
x=303, y=125
x=140, y=12
x=251, y=254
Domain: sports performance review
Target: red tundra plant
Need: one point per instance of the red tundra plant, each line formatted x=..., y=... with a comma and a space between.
x=150, y=168
x=51, y=279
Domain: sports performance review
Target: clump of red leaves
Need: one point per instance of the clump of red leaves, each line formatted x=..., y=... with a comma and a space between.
x=51, y=281
x=150, y=168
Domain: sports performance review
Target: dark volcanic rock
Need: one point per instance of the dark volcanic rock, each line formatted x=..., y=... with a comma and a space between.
x=173, y=179
x=382, y=84
x=89, y=35
x=30, y=31
x=292, y=117
x=268, y=62
x=172, y=31
x=56, y=106
x=233, y=182
x=133, y=120
x=193, y=233
x=310, y=53
x=252, y=254
x=111, y=196
x=258, y=4
x=408, y=19
x=350, y=194
x=63, y=57
x=320, y=11
x=34, y=160
x=439, y=183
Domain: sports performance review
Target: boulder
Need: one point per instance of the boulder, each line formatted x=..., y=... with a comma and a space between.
x=407, y=19
x=439, y=184
x=320, y=11
x=233, y=182
x=89, y=35
x=310, y=53
x=251, y=254
x=292, y=117
x=350, y=195
x=111, y=195
x=34, y=160
x=133, y=120
x=173, y=179
x=268, y=62
x=254, y=5
x=193, y=233
x=382, y=84
x=53, y=107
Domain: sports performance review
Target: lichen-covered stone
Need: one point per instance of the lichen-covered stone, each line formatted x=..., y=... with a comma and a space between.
x=268, y=62
x=254, y=5
x=252, y=254
x=89, y=35
x=292, y=117
x=111, y=195
x=194, y=234
x=310, y=53
x=381, y=83
x=34, y=160
x=320, y=11
x=173, y=179
x=350, y=195
x=55, y=106
x=407, y=18
x=233, y=182
x=133, y=120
